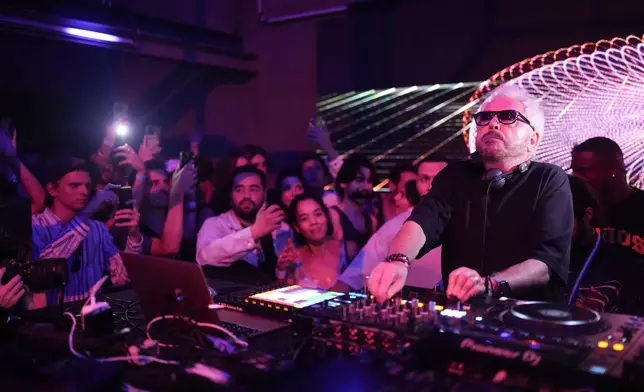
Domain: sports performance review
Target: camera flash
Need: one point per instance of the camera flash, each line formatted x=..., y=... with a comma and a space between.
x=122, y=129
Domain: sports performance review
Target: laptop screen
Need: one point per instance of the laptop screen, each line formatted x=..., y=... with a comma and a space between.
x=296, y=296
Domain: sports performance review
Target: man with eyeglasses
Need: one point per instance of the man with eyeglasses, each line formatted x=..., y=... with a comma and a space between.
x=503, y=220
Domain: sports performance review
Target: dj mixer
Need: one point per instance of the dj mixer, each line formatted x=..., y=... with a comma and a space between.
x=416, y=341
x=540, y=342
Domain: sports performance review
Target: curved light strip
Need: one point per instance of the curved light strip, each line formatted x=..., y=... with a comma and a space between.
x=594, y=89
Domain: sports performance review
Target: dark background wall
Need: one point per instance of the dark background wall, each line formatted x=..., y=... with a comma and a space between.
x=420, y=42
x=61, y=93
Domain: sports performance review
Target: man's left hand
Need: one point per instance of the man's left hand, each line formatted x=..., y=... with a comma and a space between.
x=130, y=219
x=464, y=283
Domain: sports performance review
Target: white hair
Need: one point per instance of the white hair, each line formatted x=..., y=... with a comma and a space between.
x=533, y=110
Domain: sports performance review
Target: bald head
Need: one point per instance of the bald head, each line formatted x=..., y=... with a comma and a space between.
x=599, y=161
x=603, y=148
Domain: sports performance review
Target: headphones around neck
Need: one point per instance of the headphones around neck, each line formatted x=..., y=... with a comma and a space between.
x=497, y=179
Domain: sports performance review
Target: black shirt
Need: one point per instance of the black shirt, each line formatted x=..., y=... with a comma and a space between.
x=530, y=217
x=601, y=286
x=623, y=249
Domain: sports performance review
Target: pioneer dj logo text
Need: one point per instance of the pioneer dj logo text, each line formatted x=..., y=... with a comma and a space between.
x=530, y=357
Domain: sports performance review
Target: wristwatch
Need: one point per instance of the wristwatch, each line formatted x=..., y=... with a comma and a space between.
x=399, y=257
x=499, y=287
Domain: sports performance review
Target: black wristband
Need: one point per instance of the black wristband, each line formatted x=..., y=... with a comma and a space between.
x=399, y=257
x=499, y=287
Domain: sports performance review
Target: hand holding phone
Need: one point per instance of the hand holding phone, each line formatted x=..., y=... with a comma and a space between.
x=185, y=157
x=151, y=137
x=125, y=196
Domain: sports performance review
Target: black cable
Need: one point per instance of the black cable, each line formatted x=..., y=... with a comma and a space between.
x=485, y=207
x=300, y=348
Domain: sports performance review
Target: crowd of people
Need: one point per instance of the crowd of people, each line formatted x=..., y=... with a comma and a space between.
x=498, y=223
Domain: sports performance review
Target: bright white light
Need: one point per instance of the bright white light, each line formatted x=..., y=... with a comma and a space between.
x=122, y=129
x=453, y=313
x=92, y=35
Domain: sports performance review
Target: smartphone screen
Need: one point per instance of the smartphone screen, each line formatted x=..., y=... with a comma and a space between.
x=125, y=198
x=185, y=157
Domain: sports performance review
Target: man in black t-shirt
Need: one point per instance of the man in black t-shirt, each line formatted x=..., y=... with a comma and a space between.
x=599, y=161
x=592, y=282
x=504, y=222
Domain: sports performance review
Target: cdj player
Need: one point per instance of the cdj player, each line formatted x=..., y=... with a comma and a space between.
x=484, y=336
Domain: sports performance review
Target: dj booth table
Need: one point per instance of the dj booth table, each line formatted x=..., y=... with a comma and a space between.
x=344, y=346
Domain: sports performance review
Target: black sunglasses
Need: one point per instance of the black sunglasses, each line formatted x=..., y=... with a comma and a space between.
x=505, y=117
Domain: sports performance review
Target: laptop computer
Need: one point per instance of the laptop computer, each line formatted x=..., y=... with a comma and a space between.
x=166, y=286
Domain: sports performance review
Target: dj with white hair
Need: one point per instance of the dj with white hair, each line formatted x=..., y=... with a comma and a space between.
x=504, y=221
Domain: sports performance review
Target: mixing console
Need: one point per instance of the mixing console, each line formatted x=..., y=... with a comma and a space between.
x=490, y=333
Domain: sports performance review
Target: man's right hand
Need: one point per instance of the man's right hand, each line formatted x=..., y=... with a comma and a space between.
x=11, y=292
x=387, y=279
x=149, y=149
x=267, y=221
x=184, y=181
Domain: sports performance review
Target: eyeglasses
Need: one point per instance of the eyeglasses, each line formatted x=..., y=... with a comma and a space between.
x=505, y=117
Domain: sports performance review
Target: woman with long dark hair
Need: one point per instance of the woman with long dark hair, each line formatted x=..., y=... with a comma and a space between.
x=317, y=257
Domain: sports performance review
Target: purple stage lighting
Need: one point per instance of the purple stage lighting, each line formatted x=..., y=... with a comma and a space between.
x=94, y=35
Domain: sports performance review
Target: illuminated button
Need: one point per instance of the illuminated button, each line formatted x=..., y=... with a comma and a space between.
x=439, y=307
x=602, y=344
x=597, y=369
x=618, y=347
x=420, y=304
x=453, y=313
